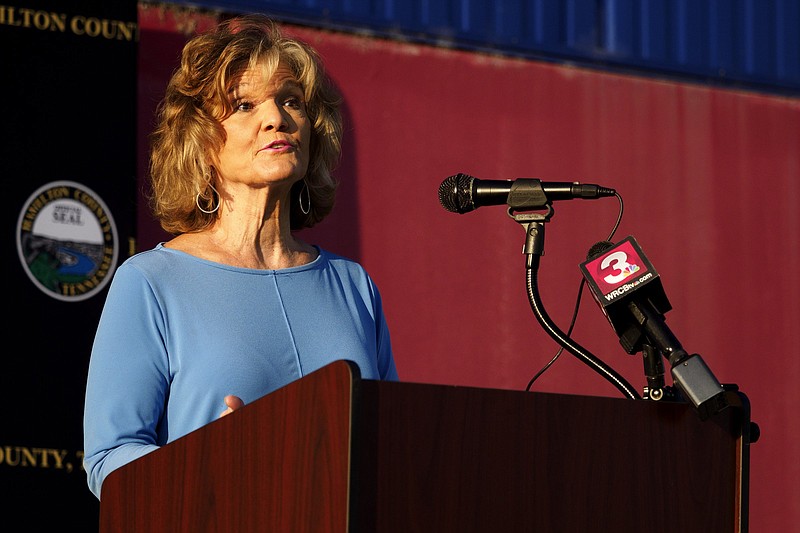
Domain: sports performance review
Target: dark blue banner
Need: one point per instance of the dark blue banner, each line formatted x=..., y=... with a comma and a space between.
x=69, y=167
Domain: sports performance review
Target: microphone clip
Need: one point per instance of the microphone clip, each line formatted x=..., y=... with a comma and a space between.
x=527, y=194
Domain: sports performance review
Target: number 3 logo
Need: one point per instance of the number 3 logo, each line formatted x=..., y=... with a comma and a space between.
x=619, y=262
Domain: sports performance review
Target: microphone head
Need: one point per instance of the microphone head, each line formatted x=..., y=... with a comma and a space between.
x=598, y=249
x=455, y=194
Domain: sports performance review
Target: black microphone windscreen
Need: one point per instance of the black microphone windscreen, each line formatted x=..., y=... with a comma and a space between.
x=598, y=248
x=455, y=193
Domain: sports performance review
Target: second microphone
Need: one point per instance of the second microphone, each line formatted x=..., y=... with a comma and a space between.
x=462, y=193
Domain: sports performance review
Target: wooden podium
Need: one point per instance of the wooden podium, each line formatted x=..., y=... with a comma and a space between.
x=335, y=453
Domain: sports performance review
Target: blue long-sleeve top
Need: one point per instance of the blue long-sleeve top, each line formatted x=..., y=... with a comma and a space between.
x=178, y=333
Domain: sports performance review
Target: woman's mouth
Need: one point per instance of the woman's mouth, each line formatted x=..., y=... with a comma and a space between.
x=279, y=146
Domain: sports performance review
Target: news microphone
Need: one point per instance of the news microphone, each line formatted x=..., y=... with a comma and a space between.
x=629, y=291
x=617, y=274
x=463, y=193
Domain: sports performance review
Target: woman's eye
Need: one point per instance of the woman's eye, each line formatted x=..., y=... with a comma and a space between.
x=293, y=102
x=243, y=105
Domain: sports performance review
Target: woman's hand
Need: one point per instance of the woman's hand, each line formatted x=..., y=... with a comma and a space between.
x=233, y=403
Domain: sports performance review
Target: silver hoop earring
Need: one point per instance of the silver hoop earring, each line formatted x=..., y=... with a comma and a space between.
x=206, y=211
x=307, y=209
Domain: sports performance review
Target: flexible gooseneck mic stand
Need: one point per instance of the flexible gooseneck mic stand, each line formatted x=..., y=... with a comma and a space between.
x=534, y=249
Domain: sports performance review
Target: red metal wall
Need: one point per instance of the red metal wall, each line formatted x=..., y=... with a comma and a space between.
x=710, y=182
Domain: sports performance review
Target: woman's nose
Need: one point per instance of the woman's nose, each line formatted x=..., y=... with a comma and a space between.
x=274, y=117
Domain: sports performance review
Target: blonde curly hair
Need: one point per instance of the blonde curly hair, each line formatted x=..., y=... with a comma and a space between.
x=189, y=134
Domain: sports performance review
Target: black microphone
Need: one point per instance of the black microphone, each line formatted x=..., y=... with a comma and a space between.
x=462, y=193
x=617, y=274
x=629, y=291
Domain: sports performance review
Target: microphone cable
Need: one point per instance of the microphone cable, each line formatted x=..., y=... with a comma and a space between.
x=621, y=385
